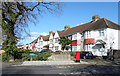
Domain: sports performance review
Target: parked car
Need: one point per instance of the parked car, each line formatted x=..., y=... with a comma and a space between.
x=86, y=55
x=45, y=50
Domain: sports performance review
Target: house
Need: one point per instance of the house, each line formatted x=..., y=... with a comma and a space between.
x=0, y=46
x=19, y=46
x=42, y=42
x=97, y=36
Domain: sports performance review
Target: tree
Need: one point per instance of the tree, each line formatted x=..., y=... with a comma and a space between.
x=64, y=41
x=15, y=17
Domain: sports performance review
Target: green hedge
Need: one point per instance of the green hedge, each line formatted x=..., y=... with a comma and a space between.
x=5, y=57
x=39, y=56
x=25, y=56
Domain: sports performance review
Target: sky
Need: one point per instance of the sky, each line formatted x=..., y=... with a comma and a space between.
x=72, y=14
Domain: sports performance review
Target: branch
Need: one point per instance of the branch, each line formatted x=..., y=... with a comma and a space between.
x=31, y=9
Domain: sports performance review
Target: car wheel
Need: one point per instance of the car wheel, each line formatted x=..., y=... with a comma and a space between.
x=84, y=57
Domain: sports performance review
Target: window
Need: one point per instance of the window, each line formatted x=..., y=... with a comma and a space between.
x=56, y=47
x=88, y=47
x=88, y=34
x=101, y=32
x=41, y=42
x=74, y=48
x=78, y=46
x=51, y=41
x=56, y=40
x=74, y=37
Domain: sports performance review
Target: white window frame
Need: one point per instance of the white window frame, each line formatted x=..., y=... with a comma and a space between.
x=74, y=37
x=56, y=40
x=74, y=47
x=41, y=42
x=101, y=32
x=51, y=41
x=56, y=47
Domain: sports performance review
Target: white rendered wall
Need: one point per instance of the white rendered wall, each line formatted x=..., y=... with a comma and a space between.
x=56, y=44
x=51, y=45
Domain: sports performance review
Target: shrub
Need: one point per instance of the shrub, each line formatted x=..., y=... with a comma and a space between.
x=26, y=50
x=26, y=56
x=40, y=56
x=5, y=57
x=43, y=56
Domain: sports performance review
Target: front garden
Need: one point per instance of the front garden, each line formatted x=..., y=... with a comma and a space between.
x=25, y=56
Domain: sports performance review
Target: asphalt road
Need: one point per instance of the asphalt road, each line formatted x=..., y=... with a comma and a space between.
x=66, y=70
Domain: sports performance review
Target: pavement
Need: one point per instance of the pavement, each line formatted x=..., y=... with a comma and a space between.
x=47, y=63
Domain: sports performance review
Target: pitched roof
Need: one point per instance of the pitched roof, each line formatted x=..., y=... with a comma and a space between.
x=46, y=38
x=76, y=29
x=61, y=33
x=103, y=23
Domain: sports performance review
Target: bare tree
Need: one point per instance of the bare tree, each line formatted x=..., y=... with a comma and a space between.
x=15, y=17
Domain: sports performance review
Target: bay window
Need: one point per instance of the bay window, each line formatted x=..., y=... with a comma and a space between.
x=74, y=48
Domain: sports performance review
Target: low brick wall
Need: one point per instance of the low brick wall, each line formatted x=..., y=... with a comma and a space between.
x=116, y=54
x=113, y=54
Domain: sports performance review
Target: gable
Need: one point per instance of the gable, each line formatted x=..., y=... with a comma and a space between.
x=51, y=36
x=56, y=35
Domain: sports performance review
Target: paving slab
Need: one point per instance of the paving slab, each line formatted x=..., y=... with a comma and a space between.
x=41, y=63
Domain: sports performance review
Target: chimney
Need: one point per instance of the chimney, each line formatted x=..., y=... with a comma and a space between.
x=95, y=17
x=66, y=27
x=50, y=32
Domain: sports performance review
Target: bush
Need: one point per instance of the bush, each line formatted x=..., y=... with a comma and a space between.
x=26, y=56
x=42, y=56
x=39, y=56
x=26, y=50
x=5, y=57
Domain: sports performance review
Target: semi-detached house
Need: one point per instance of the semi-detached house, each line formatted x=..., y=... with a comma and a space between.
x=97, y=36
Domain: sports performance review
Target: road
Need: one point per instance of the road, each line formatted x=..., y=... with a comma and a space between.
x=69, y=69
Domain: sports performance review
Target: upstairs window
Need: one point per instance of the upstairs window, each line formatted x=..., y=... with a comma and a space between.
x=56, y=47
x=56, y=40
x=74, y=37
x=88, y=34
x=101, y=32
x=51, y=41
x=41, y=42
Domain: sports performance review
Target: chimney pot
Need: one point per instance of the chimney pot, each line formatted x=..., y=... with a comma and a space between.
x=50, y=32
x=66, y=27
x=95, y=17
